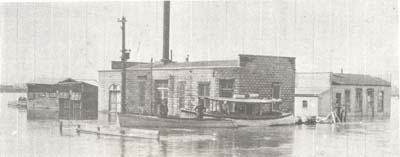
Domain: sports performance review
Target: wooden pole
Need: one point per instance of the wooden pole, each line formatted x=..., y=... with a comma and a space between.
x=61, y=126
x=98, y=131
x=78, y=129
x=124, y=57
x=151, y=87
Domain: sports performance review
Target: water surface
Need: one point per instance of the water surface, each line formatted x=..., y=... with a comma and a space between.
x=20, y=137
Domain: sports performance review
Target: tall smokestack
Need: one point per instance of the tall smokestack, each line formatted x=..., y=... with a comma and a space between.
x=165, y=58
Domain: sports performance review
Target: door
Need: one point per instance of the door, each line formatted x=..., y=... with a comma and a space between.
x=114, y=103
x=115, y=99
x=347, y=100
x=338, y=98
x=161, y=94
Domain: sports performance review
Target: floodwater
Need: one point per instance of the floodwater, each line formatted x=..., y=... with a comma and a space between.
x=20, y=137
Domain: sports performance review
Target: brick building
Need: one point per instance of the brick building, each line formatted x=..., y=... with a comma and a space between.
x=181, y=83
x=109, y=95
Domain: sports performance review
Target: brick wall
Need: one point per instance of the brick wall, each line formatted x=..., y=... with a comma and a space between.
x=106, y=79
x=133, y=81
x=259, y=72
x=256, y=76
x=191, y=77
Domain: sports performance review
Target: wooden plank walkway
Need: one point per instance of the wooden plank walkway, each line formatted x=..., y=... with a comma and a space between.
x=99, y=130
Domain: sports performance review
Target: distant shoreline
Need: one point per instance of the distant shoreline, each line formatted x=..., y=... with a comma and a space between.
x=13, y=91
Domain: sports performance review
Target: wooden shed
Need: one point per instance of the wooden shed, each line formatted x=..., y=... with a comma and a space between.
x=77, y=100
x=67, y=99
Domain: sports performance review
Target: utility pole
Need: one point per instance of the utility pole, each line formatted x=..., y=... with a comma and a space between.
x=124, y=58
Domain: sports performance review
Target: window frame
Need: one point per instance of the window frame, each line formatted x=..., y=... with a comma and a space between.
x=181, y=93
x=226, y=87
x=359, y=99
x=381, y=101
x=304, y=104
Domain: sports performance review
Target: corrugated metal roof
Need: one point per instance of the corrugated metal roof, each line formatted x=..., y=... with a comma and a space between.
x=357, y=79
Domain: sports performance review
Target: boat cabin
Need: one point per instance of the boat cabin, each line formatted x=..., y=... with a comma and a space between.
x=249, y=108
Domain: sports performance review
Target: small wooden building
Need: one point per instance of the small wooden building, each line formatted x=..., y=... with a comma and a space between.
x=359, y=95
x=77, y=100
x=42, y=101
x=66, y=99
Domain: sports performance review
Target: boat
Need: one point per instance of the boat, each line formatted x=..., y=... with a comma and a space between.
x=245, y=112
x=237, y=113
x=20, y=103
x=143, y=121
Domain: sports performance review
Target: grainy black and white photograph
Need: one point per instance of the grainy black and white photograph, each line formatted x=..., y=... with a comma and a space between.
x=179, y=78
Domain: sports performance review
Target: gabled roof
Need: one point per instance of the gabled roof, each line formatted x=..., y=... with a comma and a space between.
x=48, y=81
x=197, y=64
x=70, y=80
x=357, y=79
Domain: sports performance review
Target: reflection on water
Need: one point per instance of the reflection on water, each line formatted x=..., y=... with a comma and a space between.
x=19, y=137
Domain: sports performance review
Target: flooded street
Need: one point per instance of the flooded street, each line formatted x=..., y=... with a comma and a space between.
x=20, y=137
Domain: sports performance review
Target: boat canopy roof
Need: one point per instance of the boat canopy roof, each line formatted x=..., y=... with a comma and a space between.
x=247, y=101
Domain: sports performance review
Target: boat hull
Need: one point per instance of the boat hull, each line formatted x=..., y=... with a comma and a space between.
x=283, y=120
x=141, y=121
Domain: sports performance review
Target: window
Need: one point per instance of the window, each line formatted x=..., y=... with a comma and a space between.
x=75, y=96
x=181, y=93
x=359, y=99
x=276, y=90
x=161, y=84
x=226, y=88
x=171, y=86
x=64, y=95
x=381, y=101
x=142, y=93
x=347, y=100
x=204, y=90
x=53, y=95
x=305, y=104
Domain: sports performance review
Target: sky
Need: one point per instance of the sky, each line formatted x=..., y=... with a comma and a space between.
x=61, y=39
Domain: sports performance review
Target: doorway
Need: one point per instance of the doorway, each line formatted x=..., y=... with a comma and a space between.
x=338, y=98
x=161, y=94
x=370, y=100
x=114, y=101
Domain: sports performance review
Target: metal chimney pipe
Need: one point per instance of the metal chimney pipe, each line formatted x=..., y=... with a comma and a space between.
x=165, y=58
